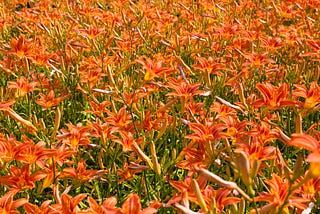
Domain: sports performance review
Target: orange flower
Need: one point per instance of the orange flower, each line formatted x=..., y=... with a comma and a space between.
x=62, y=154
x=183, y=89
x=91, y=32
x=257, y=59
x=310, y=188
x=32, y=153
x=6, y=104
x=42, y=57
x=213, y=199
x=120, y=120
x=21, y=47
x=208, y=66
x=81, y=173
x=221, y=198
x=8, y=148
x=257, y=150
x=307, y=142
x=273, y=97
x=277, y=195
x=8, y=205
x=22, y=86
x=311, y=96
x=75, y=135
x=127, y=172
x=127, y=140
x=315, y=45
x=133, y=205
x=90, y=72
x=48, y=101
x=128, y=98
x=50, y=172
x=207, y=132
x=21, y=178
x=194, y=157
x=235, y=128
x=272, y=43
x=33, y=209
x=101, y=130
x=148, y=122
x=222, y=109
x=152, y=69
x=185, y=190
x=98, y=108
x=108, y=206
x=67, y=205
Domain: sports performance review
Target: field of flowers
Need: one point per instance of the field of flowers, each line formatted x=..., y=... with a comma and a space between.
x=174, y=106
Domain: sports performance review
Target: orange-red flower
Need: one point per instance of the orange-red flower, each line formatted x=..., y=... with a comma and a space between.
x=183, y=89
x=34, y=209
x=8, y=205
x=75, y=135
x=81, y=173
x=127, y=172
x=98, y=108
x=68, y=204
x=257, y=150
x=120, y=120
x=194, y=157
x=22, y=86
x=101, y=130
x=133, y=205
x=208, y=66
x=21, y=178
x=310, y=189
x=207, y=132
x=277, y=195
x=108, y=206
x=221, y=198
x=8, y=148
x=185, y=190
x=214, y=199
x=307, y=142
x=273, y=97
x=32, y=153
x=48, y=101
x=21, y=47
x=311, y=96
x=258, y=59
x=152, y=69
x=62, y=154
x=127, y=140
x=315, y=45
x=6, y=104
x=272, y=43
x=91, y=32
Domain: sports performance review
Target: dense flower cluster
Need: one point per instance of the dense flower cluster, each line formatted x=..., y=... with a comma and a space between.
x=139, y=106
